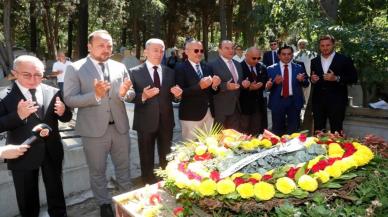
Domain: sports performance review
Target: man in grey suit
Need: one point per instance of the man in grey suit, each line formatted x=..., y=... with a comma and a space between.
x=98, y=87
x=226, y=103
x=155, y=89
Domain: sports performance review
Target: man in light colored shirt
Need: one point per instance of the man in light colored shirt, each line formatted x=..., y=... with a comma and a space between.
x=305, y=56
x=59, y=68
x=239, y=57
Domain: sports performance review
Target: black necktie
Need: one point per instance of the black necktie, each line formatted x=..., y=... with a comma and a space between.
x=253, y=74
x=33, y=97
x=106, y=76
x=156, y=77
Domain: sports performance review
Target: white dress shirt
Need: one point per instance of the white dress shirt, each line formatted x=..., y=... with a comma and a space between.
x=151, y=70
x=98, y=67
x=326, y=62
x=60, y=66
x=26, y=93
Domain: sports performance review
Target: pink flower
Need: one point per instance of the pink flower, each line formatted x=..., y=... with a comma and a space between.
x=302, y=137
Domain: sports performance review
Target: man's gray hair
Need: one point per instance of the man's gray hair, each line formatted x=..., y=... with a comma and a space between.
x=29, y=59
x=194, y=41
x=302, y=41
x=154, y=41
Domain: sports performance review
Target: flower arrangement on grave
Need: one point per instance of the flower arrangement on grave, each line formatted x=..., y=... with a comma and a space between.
x=225, y=165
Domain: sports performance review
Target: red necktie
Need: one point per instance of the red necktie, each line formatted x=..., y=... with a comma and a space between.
x=156, y=77
x=285, y=92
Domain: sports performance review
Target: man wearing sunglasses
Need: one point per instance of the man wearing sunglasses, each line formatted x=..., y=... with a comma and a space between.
x=271, y=57
x=196, y=109
x=226, y=102
x=253, y=103
x=23, y=105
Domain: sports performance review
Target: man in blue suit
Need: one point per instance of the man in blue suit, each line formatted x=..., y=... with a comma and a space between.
x=285, y=83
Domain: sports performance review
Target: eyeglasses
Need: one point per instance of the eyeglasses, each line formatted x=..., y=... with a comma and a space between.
x=198, y=50
x=273, y=44
x=256, y=58
x=29, y=76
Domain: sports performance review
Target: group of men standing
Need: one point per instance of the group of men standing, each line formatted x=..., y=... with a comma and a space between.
x=224, y=91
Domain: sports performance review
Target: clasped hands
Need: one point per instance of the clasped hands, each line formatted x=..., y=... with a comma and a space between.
x=101, y=87
x=27, y=107
x=279, y=79
x=329, y=76
x=149, y=92
x=214, y=81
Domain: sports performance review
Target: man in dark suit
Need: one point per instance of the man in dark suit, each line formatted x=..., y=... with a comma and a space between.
x=25, y=104
x=285, y=83
x=226, y=102
x=155, y=89
x=98, y=87
x=271, y=57
x=253, y=104
x=196, y=109
x=331, y=72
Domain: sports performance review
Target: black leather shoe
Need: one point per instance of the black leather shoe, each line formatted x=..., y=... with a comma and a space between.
x=106, y=210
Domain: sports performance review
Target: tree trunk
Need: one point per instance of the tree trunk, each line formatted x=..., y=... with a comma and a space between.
x=172, y=24
x=330, y=7
x=222, y=19
x=245, y=19
x=83, y=18
x=229, y=19
x=33, y=29
x=124, y=36
x=70, y=24
x=7, y=36
x=49, y=30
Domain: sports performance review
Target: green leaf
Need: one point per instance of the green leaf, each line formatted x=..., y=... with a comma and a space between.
x=300, y=172
x=347, y=176
x=299, y=193
x=331, y=185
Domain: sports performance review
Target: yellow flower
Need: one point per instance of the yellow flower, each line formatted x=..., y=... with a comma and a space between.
x=256, y=142
x=213, y=149
x=211, y=141
x=347, y=163
x=249, y=146
x=363, y=155
x=309, y=142
x=335, y=150
x=322, y=175
x=356, y=145
x=181, y=180
x=256, y=176
x=225, y=186
x=200, y=150
x=295, y=135
x=245, y=190
x=264, y=191
x=266, y=143
x=194, y=184
x=308, y=183
x=207, y=187
x=314, y=161
x=285, y=185
x=151, y=211
x=334, y=170
x=236, y=175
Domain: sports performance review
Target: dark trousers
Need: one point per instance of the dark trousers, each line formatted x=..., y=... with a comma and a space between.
x=285, y=118
x=146, y=141
x=252, y=124
x=232, y=121
x=60, y=86
x=332, y=109
x=27, y=191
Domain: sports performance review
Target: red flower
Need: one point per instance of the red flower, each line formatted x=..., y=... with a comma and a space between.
x=321, y=165
x=291, y=172
x=203, y=157
x=349, y=149
x=253, y=181
x=302, y=137
x=238, y=181
x=283, y=140
x=178, y=210
x=274, y=140
x=215, y=175
x=155, y=199
x=266, y=177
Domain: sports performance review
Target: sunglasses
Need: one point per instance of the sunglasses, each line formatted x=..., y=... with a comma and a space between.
x=272, y=44
x=198, y=50
x=256, y=58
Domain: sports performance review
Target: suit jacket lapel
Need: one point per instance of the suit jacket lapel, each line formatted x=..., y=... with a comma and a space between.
x=92, y=69
x=147, y=75
x=47, y=98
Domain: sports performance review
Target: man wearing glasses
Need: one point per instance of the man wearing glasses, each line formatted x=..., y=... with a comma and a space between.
x=196, y=109
x=24, y=105
x=253, y=104
x=271, y=57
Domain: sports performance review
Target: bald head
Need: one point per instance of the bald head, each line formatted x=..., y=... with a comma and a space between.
x=252, y=56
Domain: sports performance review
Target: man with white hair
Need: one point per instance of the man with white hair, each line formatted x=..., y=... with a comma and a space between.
x=25, y=104
x=155, y=89
x=305, y=56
